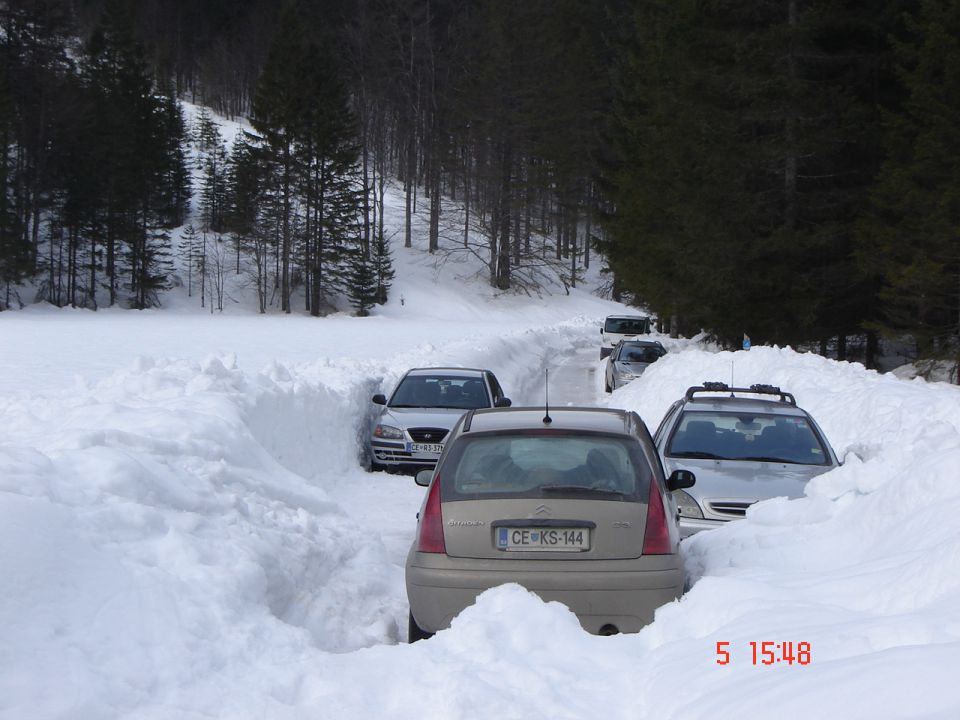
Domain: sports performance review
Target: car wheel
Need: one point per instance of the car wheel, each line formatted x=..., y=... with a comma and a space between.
x=606, y=387
x=415, y=632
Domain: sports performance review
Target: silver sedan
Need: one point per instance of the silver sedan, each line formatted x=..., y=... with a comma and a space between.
x=628, y=361
x=410, y=428
x=745, y=445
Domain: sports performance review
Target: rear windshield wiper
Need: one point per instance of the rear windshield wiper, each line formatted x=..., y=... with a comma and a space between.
x=580, y=489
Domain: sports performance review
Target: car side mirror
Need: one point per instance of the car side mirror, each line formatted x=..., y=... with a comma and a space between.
x=680, y=479
x=424, y=477
x=503, y=402
x=379, y=399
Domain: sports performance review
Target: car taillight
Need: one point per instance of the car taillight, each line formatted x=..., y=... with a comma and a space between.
x=656, y=536
x=431, y=524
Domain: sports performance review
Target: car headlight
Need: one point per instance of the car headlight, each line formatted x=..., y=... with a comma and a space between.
x=388, y=432
x=687, y=505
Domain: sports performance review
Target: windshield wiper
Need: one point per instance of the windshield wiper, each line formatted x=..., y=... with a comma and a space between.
x=580, y=489
x=698, y=454
x=768, y=458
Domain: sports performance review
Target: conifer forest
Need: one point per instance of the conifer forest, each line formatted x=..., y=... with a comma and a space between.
x=783, y=167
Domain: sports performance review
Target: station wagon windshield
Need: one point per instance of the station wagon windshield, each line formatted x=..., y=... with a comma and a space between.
x=743, y=436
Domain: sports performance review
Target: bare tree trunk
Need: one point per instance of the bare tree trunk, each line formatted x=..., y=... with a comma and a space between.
x=364, y=141
x=560, y=230
x=588, y=229
x=526, y=227
x=285, y=251
x=790, y=130
x=408, y=192
x=573, y=251
x=317, y=267
x=516, y=237
x=111, y=259
x=494, y=227
x=434, y=180
x=466, y=203
x=93, y=273
x=503, y=256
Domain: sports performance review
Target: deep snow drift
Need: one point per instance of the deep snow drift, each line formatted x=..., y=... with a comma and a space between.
x=185, y=531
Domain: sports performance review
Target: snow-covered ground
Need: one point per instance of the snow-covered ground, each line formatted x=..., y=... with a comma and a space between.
x=185, y=530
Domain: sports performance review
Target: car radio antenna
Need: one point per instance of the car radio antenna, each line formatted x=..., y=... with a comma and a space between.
x=546, y=397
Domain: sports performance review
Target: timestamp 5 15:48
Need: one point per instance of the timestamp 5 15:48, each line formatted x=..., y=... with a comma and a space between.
x=769, y=653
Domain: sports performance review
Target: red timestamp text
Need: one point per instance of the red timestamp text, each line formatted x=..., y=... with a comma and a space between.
x=770, y=653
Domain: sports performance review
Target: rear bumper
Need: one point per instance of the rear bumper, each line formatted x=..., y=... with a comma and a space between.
x=621, y=593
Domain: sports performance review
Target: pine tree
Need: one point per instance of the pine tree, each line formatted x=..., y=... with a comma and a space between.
x=383, y=267
x=333, y=190
x=190, y=249
x=212, y=159
x=278, y=115
x=741, y=165
x=174, y=186
x=911, y=238
x=139, y=149
x=15, y=251
x=361, y=277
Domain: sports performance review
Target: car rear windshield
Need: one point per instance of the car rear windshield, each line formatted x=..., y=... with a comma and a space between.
x=746, y=436
x=546, y=464
x=446, y=391
x=627, y=326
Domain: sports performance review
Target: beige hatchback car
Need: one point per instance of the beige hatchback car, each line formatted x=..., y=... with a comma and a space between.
x=572, y=504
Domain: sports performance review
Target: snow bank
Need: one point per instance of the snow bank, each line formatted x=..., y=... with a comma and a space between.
x=152, y=540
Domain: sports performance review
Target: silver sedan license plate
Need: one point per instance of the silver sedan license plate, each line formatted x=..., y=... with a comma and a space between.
x=543, y=538
x=425, y=448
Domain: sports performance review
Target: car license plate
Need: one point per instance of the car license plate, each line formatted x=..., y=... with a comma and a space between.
x=436, y=448
x=543, y=538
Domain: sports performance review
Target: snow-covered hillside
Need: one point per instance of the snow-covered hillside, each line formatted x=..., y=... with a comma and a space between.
x=186, y=532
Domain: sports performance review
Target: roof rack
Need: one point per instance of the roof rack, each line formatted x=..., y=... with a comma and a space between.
x=756, y=389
